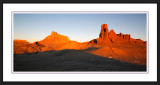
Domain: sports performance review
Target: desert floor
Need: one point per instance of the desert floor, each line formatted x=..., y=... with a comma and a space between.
x=70, y=60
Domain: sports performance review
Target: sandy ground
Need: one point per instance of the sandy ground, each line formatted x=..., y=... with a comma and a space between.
x=70, y=60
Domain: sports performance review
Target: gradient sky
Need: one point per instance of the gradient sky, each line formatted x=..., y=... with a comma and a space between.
x=78, y=27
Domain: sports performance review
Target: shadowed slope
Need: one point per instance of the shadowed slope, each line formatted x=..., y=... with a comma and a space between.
x=70, y=60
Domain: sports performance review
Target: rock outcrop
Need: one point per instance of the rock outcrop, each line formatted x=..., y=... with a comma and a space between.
x=124, y=36
x=127, y=37
x=51, y=42
x=120, y=35
x=112, y=33
x=104, y=31
x=57, y=41
x=138, y=41
x=22, y=47
x=107, y=38
x=54, y=39
x=108, y=44
x=103, y=39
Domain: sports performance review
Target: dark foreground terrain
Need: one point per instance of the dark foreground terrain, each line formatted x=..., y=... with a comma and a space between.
x=70, y=60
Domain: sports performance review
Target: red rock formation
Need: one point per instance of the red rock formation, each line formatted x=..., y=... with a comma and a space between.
x=103, y=37
x=54, y=39
x=69, y=45
x=112, y=33
x=20, y=42
x=120, y=35
x=108, y=38
x=124, y=36
x=104, y=31
x=127, y=37
x=37, y=44
x=117, y=46
x=138, y=41
x=113, y=36
x=20, y=46
x=47, y=44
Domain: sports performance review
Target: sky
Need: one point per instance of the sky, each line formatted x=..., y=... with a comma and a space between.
x=79, y=27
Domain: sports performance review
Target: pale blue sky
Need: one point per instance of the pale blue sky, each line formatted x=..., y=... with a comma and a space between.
x=78, y=27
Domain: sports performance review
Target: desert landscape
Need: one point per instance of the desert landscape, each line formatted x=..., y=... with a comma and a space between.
x=109, y=52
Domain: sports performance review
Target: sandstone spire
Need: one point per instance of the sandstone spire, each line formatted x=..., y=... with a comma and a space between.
x=104, y=31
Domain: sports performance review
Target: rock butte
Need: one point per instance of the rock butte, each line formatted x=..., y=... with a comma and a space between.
x=109, y=44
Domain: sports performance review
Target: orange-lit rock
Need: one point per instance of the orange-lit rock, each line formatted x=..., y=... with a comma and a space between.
x=109, y=44
x=138, y=41
x=120, y=35
x=54, y=39
x=20, y=46
x=31, y=49
x=112, y=33
x=126, y=36
x=104, y=31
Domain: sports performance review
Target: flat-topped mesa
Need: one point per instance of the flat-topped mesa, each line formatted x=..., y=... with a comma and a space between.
x=104, y=31
x=56, y=35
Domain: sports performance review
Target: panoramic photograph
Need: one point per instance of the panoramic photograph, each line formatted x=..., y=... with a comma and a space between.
x=79, y=42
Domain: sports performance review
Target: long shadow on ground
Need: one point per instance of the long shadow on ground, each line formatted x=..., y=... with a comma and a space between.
x=70, y=60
